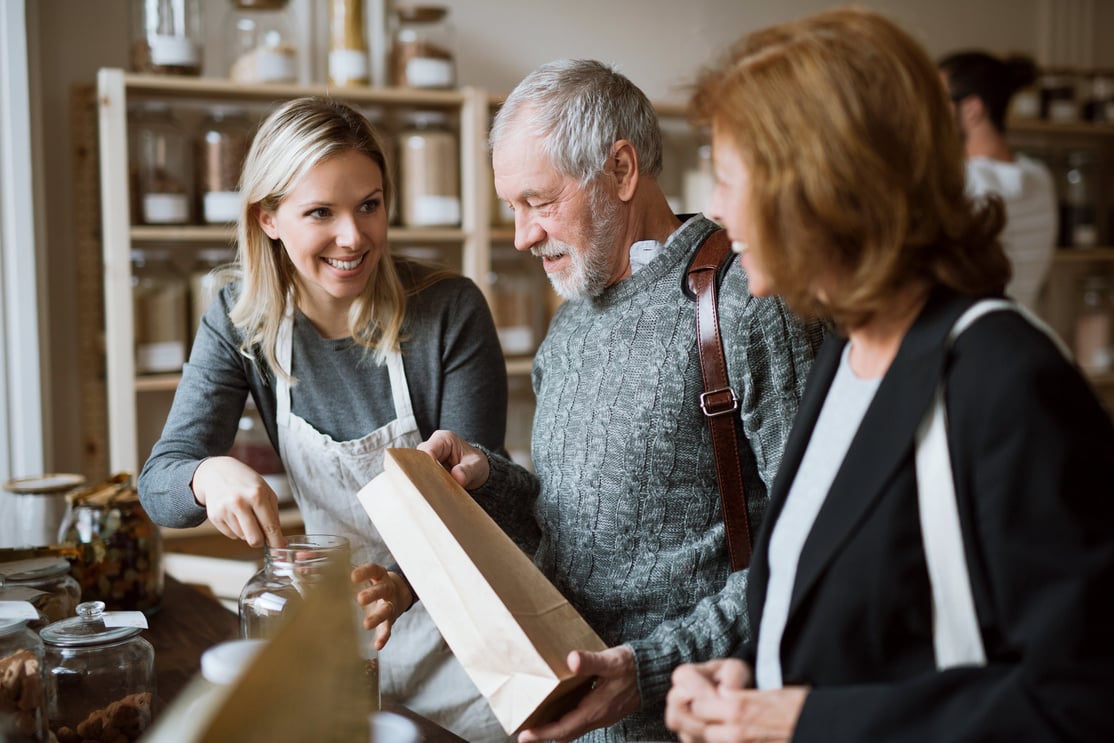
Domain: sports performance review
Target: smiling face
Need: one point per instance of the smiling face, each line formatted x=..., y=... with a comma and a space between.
x=731, y=206
x=333, y=226
x=575, y=230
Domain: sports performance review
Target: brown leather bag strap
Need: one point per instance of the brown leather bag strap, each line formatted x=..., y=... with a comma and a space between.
x=719, y=401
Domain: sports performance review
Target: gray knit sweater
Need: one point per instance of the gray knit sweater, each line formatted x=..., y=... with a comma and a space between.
x=624, y=514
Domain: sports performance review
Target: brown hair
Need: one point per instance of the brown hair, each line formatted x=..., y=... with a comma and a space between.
x=856, y=167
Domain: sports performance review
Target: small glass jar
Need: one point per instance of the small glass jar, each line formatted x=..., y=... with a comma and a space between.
x=205, y=281
x=166, y=36
x=24, y=696
x=1094, y=323
x=348, y=54
x=45, y=583
x=109, y=518
x=1058, y=96
x=101, y=674
x=516, y=291
x=162, y=162
x=1099, y=107
x=160, y=312
x=35, y=508
x=222, y=146
x=260, y=42
x=422, y=51
x=1078, y=210
x=429, y=188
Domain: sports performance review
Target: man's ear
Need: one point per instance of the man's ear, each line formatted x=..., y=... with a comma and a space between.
x=624, y=164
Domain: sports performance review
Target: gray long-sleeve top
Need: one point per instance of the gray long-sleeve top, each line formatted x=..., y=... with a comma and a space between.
x=624, y=515
x=451, y=354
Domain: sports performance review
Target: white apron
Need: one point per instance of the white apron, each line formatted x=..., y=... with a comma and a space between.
x=416, y=668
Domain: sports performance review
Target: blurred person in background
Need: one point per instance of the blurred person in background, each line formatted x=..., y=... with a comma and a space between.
x=839, y=165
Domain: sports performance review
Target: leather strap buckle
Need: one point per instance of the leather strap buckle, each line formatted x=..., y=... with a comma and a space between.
x=714, y=404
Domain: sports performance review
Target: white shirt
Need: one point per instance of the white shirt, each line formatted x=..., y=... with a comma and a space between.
x=844, y=407
x=1029, y=237
x=642, y=252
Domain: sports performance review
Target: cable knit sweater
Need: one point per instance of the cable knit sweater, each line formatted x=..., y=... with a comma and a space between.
x=624, y=514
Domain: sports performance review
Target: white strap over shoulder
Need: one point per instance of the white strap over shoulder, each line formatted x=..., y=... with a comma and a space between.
x=955, y=625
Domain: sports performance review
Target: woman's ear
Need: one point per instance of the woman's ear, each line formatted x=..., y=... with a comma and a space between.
x=267, y=222
x=624, y=162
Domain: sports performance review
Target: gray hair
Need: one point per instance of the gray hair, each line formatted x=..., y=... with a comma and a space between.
x=580, y=108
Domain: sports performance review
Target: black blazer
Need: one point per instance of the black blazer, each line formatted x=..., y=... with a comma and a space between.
x=1033, y=459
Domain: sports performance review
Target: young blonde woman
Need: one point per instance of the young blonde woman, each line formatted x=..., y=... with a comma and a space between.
x=345, y=350
x=840, y=175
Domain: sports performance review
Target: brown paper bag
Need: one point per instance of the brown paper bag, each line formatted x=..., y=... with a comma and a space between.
x=509, y=627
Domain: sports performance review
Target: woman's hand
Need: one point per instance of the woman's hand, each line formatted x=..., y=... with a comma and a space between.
x=384, y=599
x=239, y=503
x=710, y=702
x=467, y=464
x=614, y=695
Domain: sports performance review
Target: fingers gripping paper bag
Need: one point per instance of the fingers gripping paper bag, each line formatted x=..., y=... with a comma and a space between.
x=509, y=627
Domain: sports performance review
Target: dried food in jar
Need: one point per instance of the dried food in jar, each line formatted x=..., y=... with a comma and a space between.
x=422, y=56
x=124, y=719
x=22, y=696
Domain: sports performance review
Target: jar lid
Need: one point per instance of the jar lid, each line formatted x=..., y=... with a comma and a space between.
x=33, y=569
x=51, y=484
x=426, y=118
x=260, y=4
x=87, y=628
x=9, y=625
x=223, y=663
x=421, y=13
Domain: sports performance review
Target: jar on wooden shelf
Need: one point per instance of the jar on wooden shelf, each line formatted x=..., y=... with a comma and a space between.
x=166, y=36
x=429, y=187
x=101, y=674
x=348, y=52
x=422, y=54
x=1078, y=205
x=160, y=312
x=205, y=281
x=223, y=140
x=1094, y=325
x=260, y=44
x=162, y=165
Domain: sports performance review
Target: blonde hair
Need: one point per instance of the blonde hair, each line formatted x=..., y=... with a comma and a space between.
x=293, y=140
x=856, y=166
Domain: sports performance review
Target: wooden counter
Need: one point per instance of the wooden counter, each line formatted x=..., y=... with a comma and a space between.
x=190, y=621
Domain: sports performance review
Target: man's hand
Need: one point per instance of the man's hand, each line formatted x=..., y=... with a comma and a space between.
x=614, y=696
x=467, y=464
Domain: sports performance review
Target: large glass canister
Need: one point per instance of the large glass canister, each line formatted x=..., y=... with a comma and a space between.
x=45, y=583
x=101, y=675
x=162, y=166
x=34, y=507
x=160, y=301
x=167, y=36
x=348, y=53
x=23, y=686
x=429, y=187
x=261, y=46
x=422, y=49
x=108, y=517
x=222, y=145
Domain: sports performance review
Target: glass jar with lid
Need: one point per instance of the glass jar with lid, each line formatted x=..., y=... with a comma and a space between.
x=1058, y=95
x=100, y=674
x=348, y=54
x=429, y=188
x=1094, y=325
x=205, y=281
x=260, y=42
x=1078, y=210
x=45, y=583
x=517, y=288
x=160, y=314
x=223, y=141
x=24, y=696
x=166, y=36
x=34, y=508
x=422, y=50
x=162, y=164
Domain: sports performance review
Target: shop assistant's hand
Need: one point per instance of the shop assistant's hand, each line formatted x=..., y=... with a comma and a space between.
x=384, y=596
x=614, y=696
x=709, y=703
x=238, y=501
x=467, y=464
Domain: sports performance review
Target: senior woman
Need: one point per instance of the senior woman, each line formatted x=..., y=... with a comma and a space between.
x=840, y=175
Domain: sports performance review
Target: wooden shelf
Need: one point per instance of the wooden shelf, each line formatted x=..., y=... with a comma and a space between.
x=520, y=365
x=157, y=382
x=1084, y=255
x=1038, y=126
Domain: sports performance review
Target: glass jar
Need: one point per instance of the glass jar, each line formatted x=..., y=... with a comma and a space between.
x=160, y=312
x=1078, y=213
x=1094, y=341
x=222, y=146
x=129, y=574
x=100, y=673
x=36, y=506
x=1099, y=107
x=162, y=164
x=260, y=42
x=1058, y=96
x=166, y=36
x=348, y=55
x=422, y=50
x=430, y=185
x=205, y=281
x=516, y=291
x=45, y=583
x=24, y=696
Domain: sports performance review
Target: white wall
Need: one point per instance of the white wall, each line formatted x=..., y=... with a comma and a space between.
x=660, y=44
